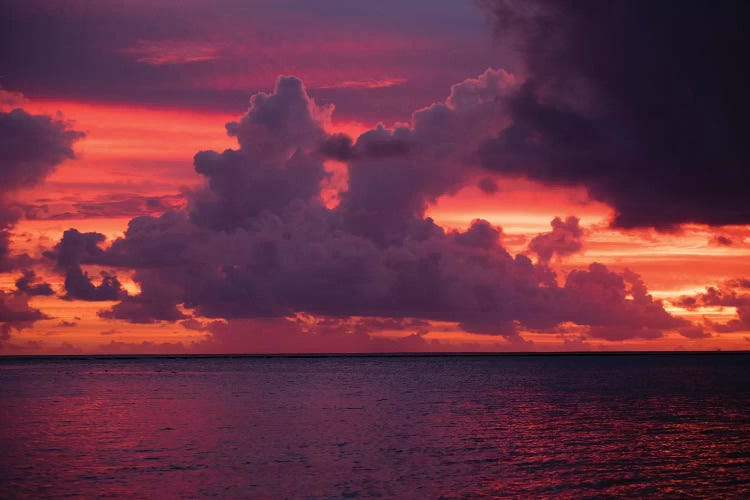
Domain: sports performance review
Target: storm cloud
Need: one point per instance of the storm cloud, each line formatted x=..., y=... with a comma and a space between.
x=644, y=103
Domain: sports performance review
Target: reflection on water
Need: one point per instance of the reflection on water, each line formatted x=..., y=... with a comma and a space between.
x=408, y=427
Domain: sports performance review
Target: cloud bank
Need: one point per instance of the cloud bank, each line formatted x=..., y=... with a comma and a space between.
x=258, y=243
x=644, y=103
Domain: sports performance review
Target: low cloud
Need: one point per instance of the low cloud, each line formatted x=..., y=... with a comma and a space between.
x=566, y=238
x=31, y=147
x=257, y=242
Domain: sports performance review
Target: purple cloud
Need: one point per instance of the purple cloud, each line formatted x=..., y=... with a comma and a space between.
x=641, y=102
x=258, y=243
x=564, y=239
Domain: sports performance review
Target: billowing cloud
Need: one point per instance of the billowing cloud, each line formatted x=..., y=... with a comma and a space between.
x=644, y=103
x=564, y=239
x=73, y=250
x=29, y=284
x=259, y=243
x=78, y=285
x=732, y=293
x=31, y=147
x=16, y=314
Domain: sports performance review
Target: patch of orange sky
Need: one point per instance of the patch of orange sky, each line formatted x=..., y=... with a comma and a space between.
x=148, y=152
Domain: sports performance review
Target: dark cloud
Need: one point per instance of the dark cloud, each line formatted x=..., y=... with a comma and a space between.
x=481, y=234
x=16, y=314
x=564, y=239
x=644, y=103
x=721, y=241
x=29, y=284
x=130, y=205
x=616, y=306
x=488, y=185
x=338, y=146
x=272, y=167
x=732, y=293
x=394, y=174
x=156, y=302
x=74, y=250
x=31, y=146
x=258, y=243
x=78, y=286
x=694, y=332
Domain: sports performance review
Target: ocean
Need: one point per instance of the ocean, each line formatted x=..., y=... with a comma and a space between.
x=531, y=426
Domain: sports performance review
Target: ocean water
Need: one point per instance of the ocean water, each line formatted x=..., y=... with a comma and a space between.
x=368, y=427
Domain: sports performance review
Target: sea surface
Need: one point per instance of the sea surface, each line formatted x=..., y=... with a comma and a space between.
x=365, y=427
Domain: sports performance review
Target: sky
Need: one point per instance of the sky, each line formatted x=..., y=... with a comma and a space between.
x=342, y=176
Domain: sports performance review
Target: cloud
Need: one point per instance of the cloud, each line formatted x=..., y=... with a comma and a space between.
x=272, y=167
x=720, y=240
x=641, y=102
x=564, y=239
x=732, y=293
x=375, y=83
x=156, y=302
x=258, y=244
x=29, y=284
x=16, y=314
x=78, y=286
x=694, y=332
x=128, y=205
x=488, y=185
x=31, y=147
x=168, y=52
x=73, y=250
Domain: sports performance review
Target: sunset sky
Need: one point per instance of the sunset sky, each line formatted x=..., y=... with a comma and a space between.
x=185, y=176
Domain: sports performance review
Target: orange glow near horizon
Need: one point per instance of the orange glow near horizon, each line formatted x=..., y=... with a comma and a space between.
x=160, y=144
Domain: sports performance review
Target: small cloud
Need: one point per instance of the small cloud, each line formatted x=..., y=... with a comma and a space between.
x=488, y=185
x=11, y=100
x=374, y=83
x=694, y=332
x=721, y=241
x=164, y=52
x=194, y=324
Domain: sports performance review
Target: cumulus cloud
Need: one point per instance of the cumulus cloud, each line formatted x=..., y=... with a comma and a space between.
x=31, y=147
x=564, y=239
x=28, y=283
x=78, y=285
x=73, y=250
x=644, y=103
x=732, y=293
x=258, y=243
x=272, y=167
x=16, y=314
